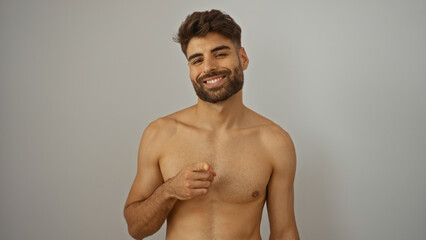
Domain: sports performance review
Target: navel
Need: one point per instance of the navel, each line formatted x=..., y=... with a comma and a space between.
x=255, y=194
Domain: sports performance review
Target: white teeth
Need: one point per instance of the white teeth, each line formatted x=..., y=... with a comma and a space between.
x=213, y=81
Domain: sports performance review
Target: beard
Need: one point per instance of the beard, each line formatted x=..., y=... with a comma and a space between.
x=233, y=83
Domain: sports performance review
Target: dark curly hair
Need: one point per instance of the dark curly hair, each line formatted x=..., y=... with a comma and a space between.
x=198, y=24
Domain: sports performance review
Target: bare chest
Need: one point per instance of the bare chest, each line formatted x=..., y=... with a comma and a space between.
x=241, y=163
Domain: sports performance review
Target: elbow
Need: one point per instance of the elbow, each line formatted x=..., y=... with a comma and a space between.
x=140, y=226
x=133, y=229
x=135, y=232
x=138, y=233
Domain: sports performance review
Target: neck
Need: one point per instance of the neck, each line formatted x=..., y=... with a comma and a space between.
x=221, y=115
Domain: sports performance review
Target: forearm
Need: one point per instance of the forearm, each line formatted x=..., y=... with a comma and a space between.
x=146, y=217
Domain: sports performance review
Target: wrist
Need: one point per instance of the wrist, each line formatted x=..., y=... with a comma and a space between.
x=168, y=190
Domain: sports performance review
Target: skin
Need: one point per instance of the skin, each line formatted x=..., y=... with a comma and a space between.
x=208, y=169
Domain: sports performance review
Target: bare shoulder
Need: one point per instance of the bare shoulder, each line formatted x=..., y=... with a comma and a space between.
x=160, y=129
x=276, y=140
x=280, y=147
x=182, y=117
x=276, y=136
x=155, y=136
x=269, y=129
x=165, y=127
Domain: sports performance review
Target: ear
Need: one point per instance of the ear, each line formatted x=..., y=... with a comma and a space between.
x=244, y=58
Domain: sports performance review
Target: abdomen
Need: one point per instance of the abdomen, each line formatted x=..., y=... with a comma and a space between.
x=206, y=218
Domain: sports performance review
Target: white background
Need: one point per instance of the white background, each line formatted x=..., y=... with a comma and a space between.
x=80, y=80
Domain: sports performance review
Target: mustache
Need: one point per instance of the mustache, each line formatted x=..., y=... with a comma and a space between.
x=214, y=73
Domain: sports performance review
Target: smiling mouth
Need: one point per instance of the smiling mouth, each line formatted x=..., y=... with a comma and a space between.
x=214, y=82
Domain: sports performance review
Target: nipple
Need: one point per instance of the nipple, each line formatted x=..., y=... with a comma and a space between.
x=255, y=194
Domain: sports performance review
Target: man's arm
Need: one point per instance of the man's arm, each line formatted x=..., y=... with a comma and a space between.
x=280, y=201
x=148, y=203
x=150, y=198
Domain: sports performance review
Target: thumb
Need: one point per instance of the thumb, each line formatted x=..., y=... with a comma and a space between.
x=200, y=167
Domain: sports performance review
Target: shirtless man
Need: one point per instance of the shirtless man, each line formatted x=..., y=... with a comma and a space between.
x=208, y=169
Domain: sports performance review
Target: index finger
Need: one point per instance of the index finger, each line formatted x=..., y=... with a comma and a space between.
x=200, y=167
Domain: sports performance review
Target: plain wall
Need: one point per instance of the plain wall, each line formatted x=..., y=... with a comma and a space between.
x=80, y=80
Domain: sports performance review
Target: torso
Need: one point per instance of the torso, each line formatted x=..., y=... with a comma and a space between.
x=232, y=209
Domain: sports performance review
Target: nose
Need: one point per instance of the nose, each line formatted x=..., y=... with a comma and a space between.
x=209, y=64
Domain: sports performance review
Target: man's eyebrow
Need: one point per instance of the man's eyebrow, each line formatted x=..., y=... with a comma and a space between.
x=219, y=48
x=213, y=50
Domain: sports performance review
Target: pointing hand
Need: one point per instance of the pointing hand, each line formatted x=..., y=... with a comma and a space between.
x=192, y=181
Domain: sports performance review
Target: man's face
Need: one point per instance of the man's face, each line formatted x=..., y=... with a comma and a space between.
x=216, y=67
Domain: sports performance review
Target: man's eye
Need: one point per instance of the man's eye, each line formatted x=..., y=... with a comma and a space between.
x=197, y=61
x=221, y=55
